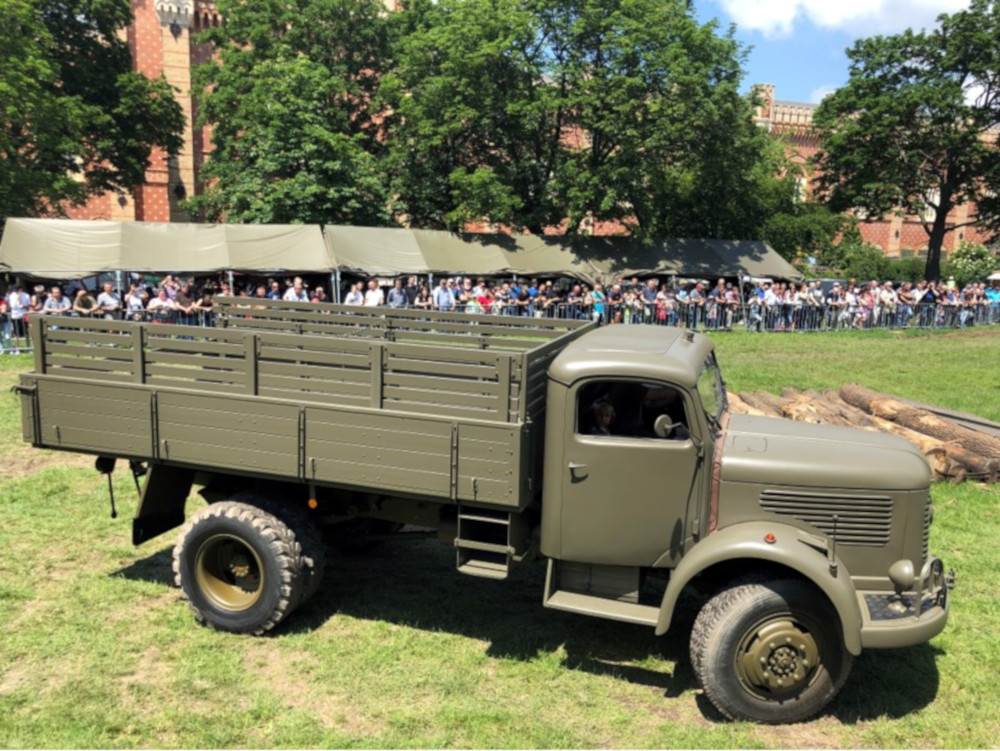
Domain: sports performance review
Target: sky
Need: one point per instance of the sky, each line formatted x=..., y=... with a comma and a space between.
x=798, y=45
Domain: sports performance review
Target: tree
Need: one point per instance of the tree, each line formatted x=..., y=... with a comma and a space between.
x=75, y=120
x=807, y=229
x=536, y=113
x=289, y=99
x=972, y=262
x=911, y=131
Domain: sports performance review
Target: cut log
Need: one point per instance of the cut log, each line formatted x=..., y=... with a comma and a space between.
x=922, y=421
x=759, y=404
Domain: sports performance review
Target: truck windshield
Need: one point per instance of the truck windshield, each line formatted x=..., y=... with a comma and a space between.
x=712, y=391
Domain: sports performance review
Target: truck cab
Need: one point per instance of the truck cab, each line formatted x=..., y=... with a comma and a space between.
x=809, y=540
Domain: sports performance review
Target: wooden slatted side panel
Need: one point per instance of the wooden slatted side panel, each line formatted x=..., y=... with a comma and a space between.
x=513, y=333
x=205, y=359
x=382, y=451
x=99, y=418
x=319, y=369
x=235, y=433
x=449, y=382
x=87, y=349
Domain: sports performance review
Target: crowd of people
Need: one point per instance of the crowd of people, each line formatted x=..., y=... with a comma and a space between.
x=760, y=306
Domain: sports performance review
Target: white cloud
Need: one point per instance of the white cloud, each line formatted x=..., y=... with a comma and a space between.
x=821, y=92
x=857, y=17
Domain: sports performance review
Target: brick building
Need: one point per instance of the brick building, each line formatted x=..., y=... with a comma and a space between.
x=898, y=236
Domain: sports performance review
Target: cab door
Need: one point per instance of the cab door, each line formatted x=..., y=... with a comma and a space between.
x=629, y=496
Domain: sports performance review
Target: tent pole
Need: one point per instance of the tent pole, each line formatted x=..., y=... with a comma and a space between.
x=118, y=281
x=232, y=287
x=335, y=281
x=430, y=280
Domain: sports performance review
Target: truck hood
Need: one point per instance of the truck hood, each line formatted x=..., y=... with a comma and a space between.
x=767, y=451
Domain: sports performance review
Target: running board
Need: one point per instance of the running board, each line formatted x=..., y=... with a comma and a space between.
x=600, y=607
x=483, y=543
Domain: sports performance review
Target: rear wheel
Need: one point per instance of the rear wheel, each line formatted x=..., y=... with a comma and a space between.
x=237, y=569
x=770, y=651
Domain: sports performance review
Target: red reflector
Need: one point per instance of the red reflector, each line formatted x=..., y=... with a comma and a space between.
x=313, y=503
x=770, y=539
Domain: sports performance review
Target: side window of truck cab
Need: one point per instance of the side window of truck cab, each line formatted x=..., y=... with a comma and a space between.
x=631, y=409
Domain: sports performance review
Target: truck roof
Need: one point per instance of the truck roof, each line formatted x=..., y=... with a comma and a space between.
x=649, y=352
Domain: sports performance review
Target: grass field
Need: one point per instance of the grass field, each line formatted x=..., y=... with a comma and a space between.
x=398, y=650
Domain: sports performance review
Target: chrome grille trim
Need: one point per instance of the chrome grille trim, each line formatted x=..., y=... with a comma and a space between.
x=928, y=511
x=861, y=519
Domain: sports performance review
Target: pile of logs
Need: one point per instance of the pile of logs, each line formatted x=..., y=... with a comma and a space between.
x=955, y=452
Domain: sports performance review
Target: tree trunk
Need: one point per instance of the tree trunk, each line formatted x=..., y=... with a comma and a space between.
x=922, y=421
x=935, y=240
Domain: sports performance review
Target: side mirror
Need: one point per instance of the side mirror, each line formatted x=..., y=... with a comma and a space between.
x=663, y=427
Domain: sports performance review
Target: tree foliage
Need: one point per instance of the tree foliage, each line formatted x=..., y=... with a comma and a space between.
x=75, y=120
x=972, y=262
x=534, y=113
x=912, y=130
x=806, y=229
x=289, y=99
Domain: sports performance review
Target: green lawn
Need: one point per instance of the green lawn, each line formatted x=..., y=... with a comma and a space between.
x=399, y=650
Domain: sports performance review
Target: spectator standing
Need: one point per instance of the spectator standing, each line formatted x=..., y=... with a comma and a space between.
x=444, y=299
x=38, y=299
x=84, y=305
x=18, y=306
x=274, y=292
x=412, y=290
x=597, y=302
x=297, y=292
x=374, y=296
x=319, y=295
x=109, y=302
x=135, y=303
x=205, y=308
x=354, y=296
x=171, y=286
x=56, y=304
x=423, y=300
x=161, y=307
x=397, y=297
x=4, y=324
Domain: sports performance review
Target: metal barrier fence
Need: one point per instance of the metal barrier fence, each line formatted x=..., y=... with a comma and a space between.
x=757, y=316
x=754, y=316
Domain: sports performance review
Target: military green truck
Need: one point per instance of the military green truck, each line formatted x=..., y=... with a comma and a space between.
x=609, y=451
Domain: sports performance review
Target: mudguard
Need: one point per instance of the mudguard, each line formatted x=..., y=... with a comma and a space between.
x=776, y=543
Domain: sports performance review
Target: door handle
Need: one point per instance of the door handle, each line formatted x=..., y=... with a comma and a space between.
x=576, y=465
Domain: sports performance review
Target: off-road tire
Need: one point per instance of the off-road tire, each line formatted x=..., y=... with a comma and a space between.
x=791, y=630
x=306, y=540
x=238, y=568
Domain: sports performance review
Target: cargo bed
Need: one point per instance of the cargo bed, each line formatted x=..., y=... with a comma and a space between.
x=448, y=406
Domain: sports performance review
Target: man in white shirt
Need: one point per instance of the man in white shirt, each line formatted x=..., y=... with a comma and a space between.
x=19, y=303
x=296, y=293
x=56, y=304
x=108, y=302
x=374, y=296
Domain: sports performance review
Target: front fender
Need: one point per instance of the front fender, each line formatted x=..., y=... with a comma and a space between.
x=792, y=548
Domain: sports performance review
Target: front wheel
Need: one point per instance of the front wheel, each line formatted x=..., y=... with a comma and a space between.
x=769, y=652
x=237, y=568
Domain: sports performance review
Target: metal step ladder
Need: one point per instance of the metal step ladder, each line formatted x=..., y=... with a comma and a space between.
x=483, y=543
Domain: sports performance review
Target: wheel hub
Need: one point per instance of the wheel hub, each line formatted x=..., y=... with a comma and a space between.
x=777, y=659
x=229, y=572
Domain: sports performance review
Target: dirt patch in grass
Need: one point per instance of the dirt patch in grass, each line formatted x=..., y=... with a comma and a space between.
x=22, y=461
x=282, y=672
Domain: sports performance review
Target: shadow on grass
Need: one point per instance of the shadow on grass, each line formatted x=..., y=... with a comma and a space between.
x=416, y=585
x=156, y=568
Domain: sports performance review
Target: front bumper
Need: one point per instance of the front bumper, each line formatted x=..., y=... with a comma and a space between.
x=890, y=620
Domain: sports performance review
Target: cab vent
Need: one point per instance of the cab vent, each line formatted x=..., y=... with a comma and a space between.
x=861, y=519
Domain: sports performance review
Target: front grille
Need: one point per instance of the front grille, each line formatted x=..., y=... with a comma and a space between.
x=861, y=519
